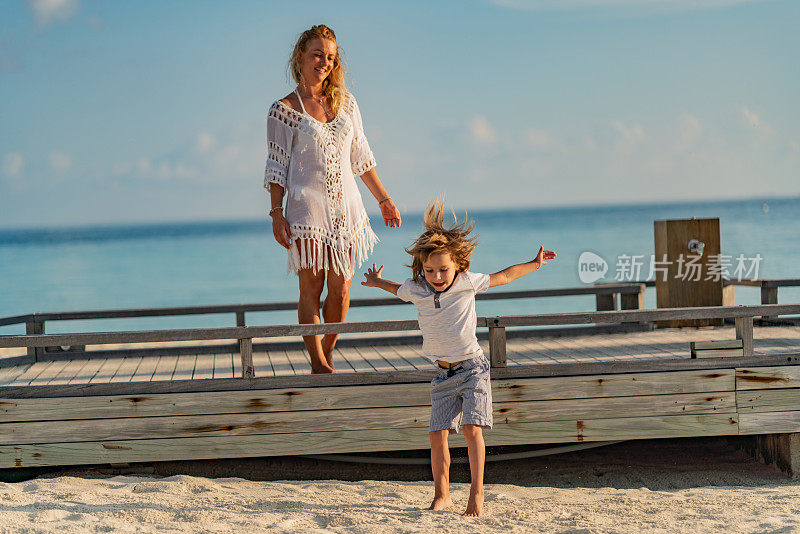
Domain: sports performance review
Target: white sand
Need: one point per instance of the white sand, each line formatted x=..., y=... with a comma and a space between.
x=180, y=503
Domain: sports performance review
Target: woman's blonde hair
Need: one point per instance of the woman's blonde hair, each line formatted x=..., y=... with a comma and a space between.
x=438, y=238
x=333, y=87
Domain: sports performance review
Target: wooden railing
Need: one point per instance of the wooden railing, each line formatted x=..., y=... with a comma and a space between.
x=743, y=316
x=631, y=297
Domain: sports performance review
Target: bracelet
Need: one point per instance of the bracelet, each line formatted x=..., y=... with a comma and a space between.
x=384, y=200
x=276, y=208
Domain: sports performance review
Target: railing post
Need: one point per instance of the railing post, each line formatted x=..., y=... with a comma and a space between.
x=607, y=302
x=744, y=331
x=246, y=352
x=633, y=301
x=769, y=295
x=32, y=328
x=240, y=318
x=497, y=344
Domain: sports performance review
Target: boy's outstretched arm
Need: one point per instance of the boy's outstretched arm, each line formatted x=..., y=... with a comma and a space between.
x=373, y=279
x=521, y=269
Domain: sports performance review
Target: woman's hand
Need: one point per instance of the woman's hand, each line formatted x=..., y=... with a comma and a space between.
x=390, y=213
x=543, y=256
x=281, y=231
x=373, y=276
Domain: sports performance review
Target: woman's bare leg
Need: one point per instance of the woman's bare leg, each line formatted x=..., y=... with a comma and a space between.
x=477, y=458
x=311, y=284
x=334, y=310
x=440, y=466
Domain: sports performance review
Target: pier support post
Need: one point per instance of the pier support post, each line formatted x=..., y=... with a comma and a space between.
x=744, y=331
x=782, y=450
x=632, y=301
x=246, y=352
x=240, y=318
x=497, y=344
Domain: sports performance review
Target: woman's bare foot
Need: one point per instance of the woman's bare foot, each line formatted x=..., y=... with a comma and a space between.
x=322, y=370
x=475, y=504
x=441, y=503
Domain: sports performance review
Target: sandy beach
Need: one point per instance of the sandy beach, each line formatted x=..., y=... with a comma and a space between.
x=656, y=486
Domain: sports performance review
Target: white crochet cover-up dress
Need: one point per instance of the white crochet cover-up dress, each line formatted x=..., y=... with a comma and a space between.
x=316, y=163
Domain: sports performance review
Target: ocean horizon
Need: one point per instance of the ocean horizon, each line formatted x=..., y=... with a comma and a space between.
x=236, y=261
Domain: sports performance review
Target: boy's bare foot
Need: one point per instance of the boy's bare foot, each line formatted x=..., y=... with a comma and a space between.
x=475, y=505
x=441, y=503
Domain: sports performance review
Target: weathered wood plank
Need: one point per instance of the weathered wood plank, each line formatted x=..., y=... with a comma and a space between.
x=149, y=450
x=769, y=422
x=352, y=358
x=262, y=365
x=299, y=361
x=365, y=396
x=280, y=363
x=353, y=419
x=375, y=359
x=46, y=376
x=9, y=374
x=768, y=400
x=785, y=376
x=30, y=374
x=87, y=372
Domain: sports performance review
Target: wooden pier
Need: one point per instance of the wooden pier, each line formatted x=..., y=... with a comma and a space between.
x=245, y=391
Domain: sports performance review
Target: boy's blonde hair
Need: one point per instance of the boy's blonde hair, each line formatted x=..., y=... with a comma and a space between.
x=438, y=238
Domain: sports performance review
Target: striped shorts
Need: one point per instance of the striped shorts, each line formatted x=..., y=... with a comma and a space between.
x=462, y=395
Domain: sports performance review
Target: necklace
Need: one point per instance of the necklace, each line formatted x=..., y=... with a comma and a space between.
x=321, y=101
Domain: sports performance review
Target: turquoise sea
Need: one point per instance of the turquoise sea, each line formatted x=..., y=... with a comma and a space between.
x=201, y=263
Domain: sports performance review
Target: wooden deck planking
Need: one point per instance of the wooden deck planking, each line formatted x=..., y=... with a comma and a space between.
x=144, y=372
x=69, y=372
x=9, y=374
x=203, y=367
x=184, y=368
x=413, y=358
x=223, y=365
x=375, y=359
x=30, y=373
x=106, y=371
x=354, y=359
x=127, y=369
x=262, y=364
x=166, y=368
x=87, y=372
x=280, y=363
x=299, y=361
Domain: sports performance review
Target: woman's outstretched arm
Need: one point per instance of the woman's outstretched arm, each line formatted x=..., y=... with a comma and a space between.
x=390, y=213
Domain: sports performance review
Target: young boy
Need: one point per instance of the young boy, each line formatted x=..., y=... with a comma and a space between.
x=443, y=290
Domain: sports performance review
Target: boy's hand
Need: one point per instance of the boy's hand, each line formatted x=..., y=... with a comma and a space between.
x=373, y=275
x=543, y=256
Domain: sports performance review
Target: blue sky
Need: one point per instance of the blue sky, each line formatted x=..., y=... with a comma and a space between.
x=118, y=111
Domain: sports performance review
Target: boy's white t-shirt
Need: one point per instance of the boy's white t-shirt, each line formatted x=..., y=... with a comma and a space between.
x=448, y=330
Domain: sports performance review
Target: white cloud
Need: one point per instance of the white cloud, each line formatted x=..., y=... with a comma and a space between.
x=630, y=134
x=49, y=11
x=539, y=139
x=13, y=164
x=689, y=134
x=481, y=131
x=60, y=161
x=205, y=142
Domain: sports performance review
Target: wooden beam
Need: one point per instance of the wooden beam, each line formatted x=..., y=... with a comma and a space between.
x=711, y=367
x=744, y=331
x=784, y=376
x=151, y=450
x=769, y=422
x=353, y=419
x=366, y=396
x=768, y=400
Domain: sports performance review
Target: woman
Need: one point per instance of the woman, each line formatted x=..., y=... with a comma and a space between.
x=315, y=148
